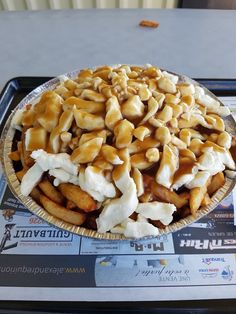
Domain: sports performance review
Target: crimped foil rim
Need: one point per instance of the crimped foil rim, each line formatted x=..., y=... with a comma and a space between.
x=32, y=206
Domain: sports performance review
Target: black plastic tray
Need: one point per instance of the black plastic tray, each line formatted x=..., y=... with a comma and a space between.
x=15, y=90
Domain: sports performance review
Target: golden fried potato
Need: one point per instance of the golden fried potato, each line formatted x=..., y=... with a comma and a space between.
x=14, y=156
x=70, y=205
x=61, y=212
x=74, y=193
x=206, y=200
x=20, y=174
x=35, y=194
x=217, y=182
x=50, y=191
x=197, y=196
x=169, y=196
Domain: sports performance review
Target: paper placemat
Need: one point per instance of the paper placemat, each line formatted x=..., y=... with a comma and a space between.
x=41, y=262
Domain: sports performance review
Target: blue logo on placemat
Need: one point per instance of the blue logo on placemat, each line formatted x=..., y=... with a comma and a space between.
x=227, y=274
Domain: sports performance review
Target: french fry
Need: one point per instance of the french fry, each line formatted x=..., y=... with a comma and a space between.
x=70, y=205
x=74, y=193
x=50, y=191
x=147, y=181
x=61, y=212
x=146, y=197
x=217, y=182
x=184, y=195
x=19, y=148
x=35, y=194
x=91, y=222
x=206, y=200
x=169, y=196
x=184, y=212
x=14, y=156
x=197, y=196
x=20, y=174
x=158, y=224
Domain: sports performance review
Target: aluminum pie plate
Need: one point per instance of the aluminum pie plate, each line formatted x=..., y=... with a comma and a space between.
x=6, y=147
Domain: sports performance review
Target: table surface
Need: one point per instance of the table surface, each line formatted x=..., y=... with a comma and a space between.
x=198, y=43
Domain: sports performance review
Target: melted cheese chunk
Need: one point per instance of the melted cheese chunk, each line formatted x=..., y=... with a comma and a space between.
x=63, y=78
x=199, y=91
x=228, y=160
x=53, y=161
x=157, y=211
x=168, y=166
x=61, y=176
x=121, y=227
x=215, y=158
x=174, y=78
x=82, y=183
x=187, y=89
x=199, y=180
x=138, y=179
x=210, y=162
x=94, y=183
x=209, y=102
x=183, y=180
x=139, y=229
x=31, y=179
x=17, y=119
x=185, y=173
x=230, y=174
x=223, y=111
x=119, y=209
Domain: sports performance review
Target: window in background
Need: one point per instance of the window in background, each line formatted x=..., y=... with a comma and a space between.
x=209, y=4
x=84, y=4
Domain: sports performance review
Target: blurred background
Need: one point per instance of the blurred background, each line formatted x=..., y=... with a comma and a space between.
x=111, y=4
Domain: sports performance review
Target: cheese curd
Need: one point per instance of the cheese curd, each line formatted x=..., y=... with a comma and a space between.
x=17, y=119
x=168, y=166
x=118, y=209
x=31, y=179
x=139, y=229
x=93, y=181
x=157, y=211
x=52, y=161
x=174, y=78
x=199, y=180
x=61, y=176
